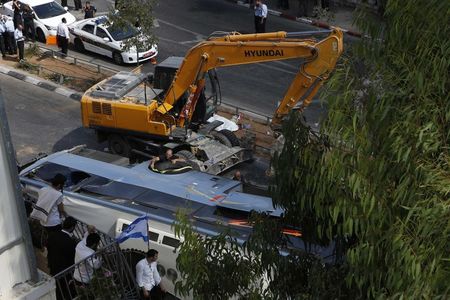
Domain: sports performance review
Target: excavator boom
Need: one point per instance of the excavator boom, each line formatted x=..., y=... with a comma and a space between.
x=319, y=58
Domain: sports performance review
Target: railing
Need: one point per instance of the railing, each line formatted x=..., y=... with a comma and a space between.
x=99, y=67
x=103, y=275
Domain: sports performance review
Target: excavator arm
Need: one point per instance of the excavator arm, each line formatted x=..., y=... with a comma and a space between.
x=319, y=59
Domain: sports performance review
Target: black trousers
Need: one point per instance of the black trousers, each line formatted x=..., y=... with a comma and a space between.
x=77, y=4
x=155, y=294
x=63, y=43
x=2, y=45
x=12, y=48
x=29, y=30
x=260, y=27
x=21, y=47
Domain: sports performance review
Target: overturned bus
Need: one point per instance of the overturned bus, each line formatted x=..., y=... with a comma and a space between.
x=106, y=191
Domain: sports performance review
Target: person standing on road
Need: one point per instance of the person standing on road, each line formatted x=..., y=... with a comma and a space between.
x=62, y=36
x=260, y=16
x=148, y=278
x=2, y=37
x=20, y=40
x=28, y=23
x=77, y=4
x=89, y=10
x=10, y=43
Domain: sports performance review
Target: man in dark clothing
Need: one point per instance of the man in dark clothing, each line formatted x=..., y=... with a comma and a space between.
x=61, y=255
x=77, y=4
x=168, y=156
x=28, y=23
x=2, y=37
x=17, y=18
x=89, y=10
x=61, y=247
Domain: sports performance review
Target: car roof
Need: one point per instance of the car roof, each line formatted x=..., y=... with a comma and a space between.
x=100, y=21
x=35, y=2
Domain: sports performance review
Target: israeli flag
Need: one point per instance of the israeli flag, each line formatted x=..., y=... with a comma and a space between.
x=136, y=230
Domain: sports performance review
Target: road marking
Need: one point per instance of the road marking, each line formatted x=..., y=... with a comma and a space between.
x=197, y=35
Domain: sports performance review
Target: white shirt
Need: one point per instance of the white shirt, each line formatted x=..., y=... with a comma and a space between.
x=9, y=25
x=261, y=10
x=147, y=275
x=62, y=30
x=50, y=194
x=2, y=27
x=18, y=35
x=85, y=271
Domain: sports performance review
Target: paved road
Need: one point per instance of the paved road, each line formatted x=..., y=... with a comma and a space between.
x=42, y=121
x=181, y=24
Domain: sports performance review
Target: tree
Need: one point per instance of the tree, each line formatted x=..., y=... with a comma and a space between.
x=377, y=177
x=134, y=15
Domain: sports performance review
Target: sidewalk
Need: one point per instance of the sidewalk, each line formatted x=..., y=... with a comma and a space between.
x=338, y=16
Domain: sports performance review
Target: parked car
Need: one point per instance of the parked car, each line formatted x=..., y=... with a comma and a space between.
x=48, y=15
x=95, y=35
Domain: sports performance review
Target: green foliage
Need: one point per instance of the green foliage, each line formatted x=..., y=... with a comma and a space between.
x=33, y=50
x=390, y=124
x=213, y=267
x=376, y=180
x=130, y=13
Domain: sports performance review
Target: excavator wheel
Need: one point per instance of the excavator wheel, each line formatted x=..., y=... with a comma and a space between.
x=226, y=137
x=118, y=145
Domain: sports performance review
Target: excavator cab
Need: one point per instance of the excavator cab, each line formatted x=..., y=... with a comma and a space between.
x=209, y=99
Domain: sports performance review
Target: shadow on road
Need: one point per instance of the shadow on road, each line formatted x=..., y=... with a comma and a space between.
x=79, y=136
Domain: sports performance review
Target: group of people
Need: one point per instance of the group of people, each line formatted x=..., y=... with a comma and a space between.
x=64, y=250
x=14, y=31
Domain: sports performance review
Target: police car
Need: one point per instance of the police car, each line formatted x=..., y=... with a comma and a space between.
x=96, y=36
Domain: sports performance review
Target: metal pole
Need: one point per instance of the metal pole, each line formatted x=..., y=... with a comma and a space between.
x=11, y=170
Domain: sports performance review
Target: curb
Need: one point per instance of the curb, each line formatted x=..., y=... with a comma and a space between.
x=42, y=83
x=308, y=21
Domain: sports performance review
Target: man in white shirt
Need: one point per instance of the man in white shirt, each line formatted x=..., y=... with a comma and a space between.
x=10, y=43
x=260, y=16
x=147, y=276
x=62, y=36
x=20, y=41
x=49, y=207
x=85, y=271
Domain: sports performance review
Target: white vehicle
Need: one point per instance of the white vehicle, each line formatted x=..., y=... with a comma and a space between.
x=104, y=190
x=95, y=35
x=48, y=15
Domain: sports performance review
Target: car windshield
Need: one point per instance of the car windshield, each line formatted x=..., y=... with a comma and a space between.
x=120, y=34
x=48, y=10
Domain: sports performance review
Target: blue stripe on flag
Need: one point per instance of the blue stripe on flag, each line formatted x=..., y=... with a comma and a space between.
x=137, y=229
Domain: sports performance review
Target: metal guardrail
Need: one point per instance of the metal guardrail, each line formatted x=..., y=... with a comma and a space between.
x=108, y=276
x=99, y=67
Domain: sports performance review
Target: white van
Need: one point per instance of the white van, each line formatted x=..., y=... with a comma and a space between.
x=48, y=15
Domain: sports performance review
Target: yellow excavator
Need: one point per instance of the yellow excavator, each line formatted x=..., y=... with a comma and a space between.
x=175, y=116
